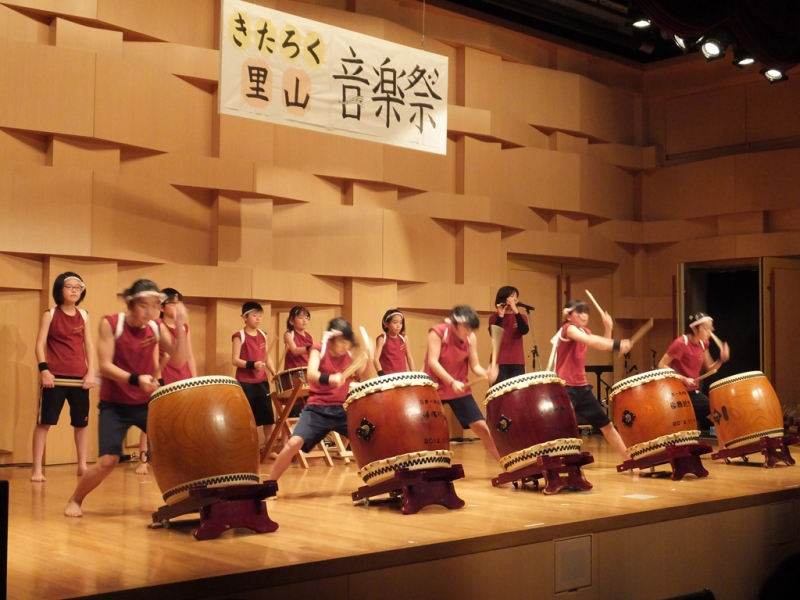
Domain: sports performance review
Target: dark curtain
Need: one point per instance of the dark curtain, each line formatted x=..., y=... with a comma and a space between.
x=768, y=29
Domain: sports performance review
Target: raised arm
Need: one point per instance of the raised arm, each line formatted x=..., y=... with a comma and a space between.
x=595, y=341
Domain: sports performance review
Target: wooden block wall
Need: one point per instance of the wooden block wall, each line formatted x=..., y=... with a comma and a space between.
x=115, y=163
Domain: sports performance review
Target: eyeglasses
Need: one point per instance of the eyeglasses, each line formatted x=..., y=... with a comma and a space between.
x=70, y=287
x=171, y=303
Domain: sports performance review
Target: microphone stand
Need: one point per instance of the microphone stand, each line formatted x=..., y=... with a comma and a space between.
x=535, y=353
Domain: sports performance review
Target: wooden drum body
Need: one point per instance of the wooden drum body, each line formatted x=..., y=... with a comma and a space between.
x=745, y=408
x=201, y=432
x=286, y=380
x=397, y=422
x=652, y=411
x=531, y=416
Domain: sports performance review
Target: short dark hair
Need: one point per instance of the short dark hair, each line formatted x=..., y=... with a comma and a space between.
x=341, y=324
x=139, y=286
x=504, y=292
x=465, y=315
x=250, y=306
x=578, y=306
x=170, y=294
x=389, y=313
x=58, y=288
x=296, y=310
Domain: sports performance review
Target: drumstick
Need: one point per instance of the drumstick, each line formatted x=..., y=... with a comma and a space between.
x=497, y=337
x=368, y=343
x=358, y=363
x=68, y=382
x=716, y=340
x=640, y=334
x=162, y=363
x=706, y=374
x=588, y=293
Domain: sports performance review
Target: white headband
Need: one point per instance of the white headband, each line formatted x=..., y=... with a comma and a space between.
x=457, y=319
x=701, y=320
x=146, y=294
x=390, y=315
x=567, y=311
x=251, y=310
x=76, y=278
x=331, y=333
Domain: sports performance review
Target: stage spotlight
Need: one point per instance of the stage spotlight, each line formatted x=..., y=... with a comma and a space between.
x=679, y=42
x=641, y=22
x=713, y=45
x=741, y=57
x=774, y=75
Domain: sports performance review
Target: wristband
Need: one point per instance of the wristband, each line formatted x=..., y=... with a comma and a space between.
x=381, y=373
x=161, y=381
x=616, y=345
x=308, y=348
x=250, y=364
x=43, y=367
x=324, y=378
x=134, y=380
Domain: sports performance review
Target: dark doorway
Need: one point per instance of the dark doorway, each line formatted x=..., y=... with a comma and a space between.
x=731, y=296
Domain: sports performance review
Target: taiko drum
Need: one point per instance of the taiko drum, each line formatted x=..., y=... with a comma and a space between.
x=286, y=380
x=396, y=422
x=744, y=409
x=201, y=432
x=531, y=416
x=653, y=410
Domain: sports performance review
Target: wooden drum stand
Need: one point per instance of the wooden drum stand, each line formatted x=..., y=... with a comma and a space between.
x=775, y=450
x=682, y=459
x=418, y=488
x=559, y=472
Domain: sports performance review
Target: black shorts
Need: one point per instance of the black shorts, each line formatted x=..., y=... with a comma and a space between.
x=260, y=402
x=115, y=420
x=51, y=401
x=587, y=406
x=466, y=410
x=702, y=408
x=317, y=421
x=508, y=371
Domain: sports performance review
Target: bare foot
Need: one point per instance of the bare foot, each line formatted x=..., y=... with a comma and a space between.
x=37, y=476
x=73, y=509
x=81, y=470
x=141, y=469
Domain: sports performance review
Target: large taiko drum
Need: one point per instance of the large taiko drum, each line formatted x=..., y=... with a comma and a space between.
x=397, y=422
x=653, y=410
x=201, y=432
x=286, y=380
x=745, y=408
x=531, y=416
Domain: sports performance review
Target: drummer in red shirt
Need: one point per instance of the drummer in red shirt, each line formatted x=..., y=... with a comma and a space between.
x=688, y=354
x=126, y=352
x=452, y=352
x=327, y=393
x=392, y=353
x=572, y=341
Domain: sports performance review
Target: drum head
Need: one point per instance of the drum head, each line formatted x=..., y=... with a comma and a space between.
x=520, y=382
x=735, y=379
x=641, y=379
x=387, y=382
x=192, y=383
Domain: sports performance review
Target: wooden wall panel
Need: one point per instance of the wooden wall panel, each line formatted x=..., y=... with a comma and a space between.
x=74, y=153
x=417, y=248
x=706, y=120
x=40, y=103
x=181, y=21
x=67, y=34
x=150, y=109
x=76, y=8
x=45, y=210
x=772, y=110
x=22, y=147
x=767, y=180
x=18, y=273
x=178, y=59
x=139, y=219
x=335, y=240
x=21, y=28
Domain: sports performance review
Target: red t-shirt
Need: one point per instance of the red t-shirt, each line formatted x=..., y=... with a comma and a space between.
x=170, y=373
x=254, y=348
x=134, y=352
x=301, y=340
x=511, y=350
x=571, y=357
x=687, y=358
x=328, y=395
x=393, y=354
x=454, y=358
x=66, y=354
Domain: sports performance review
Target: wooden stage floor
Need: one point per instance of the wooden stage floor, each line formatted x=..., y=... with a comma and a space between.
x=111, y=551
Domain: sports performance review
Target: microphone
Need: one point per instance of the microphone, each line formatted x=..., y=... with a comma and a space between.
x=527, y=307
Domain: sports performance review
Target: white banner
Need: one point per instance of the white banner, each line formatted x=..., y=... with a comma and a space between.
x=288, y=70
